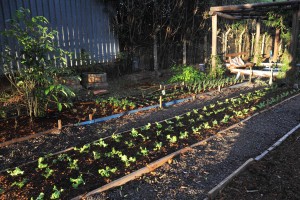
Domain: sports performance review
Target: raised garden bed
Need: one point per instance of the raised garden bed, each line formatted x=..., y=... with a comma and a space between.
x=97, y=163
x=13, y=126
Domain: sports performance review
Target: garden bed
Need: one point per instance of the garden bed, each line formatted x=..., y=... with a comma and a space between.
x=151, y=141
x=273, y=177
x=13, y=126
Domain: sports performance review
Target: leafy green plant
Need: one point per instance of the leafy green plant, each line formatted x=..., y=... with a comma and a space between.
x=130, y=143
x=178, y=118
x=158, y=125
x=96, y=155
x=225, y=119
x=146, y=127
x=184, y=135
x=73, y=163
x=36, y=79
x=116, y=137
x=56, y=193
x=134, y=133
x=17, y=171
x=48, y=172
x=41, y=165
x=40, y=197
x=157, y=146
x=84, y=149
x=172, y=139
x=77, y=181
x=100, y=143
x=107, y=171
x=187, y=74
x=144, y=151
x=20, y=184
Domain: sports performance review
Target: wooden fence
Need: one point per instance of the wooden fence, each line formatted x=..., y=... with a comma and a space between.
x=82, y=25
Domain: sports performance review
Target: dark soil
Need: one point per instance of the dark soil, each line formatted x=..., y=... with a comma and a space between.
x=276, y=176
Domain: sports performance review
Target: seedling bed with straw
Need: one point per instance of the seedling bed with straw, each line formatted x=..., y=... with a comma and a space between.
x=92, y=165
x=15, y=125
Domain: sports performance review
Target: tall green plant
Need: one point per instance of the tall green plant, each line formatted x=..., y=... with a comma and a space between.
x=187, y=74
x=30, y=43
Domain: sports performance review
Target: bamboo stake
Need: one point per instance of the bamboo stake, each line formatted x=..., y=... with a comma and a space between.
x=90, y=117
x=160, y=102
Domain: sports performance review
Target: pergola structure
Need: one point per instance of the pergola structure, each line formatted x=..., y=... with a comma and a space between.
x=257, y=11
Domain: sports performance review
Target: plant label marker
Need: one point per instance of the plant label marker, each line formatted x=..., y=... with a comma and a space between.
x=59, y=124
x=194, y=97
x=219, y=88
x=160, y=101
x=90, y=117
x=163, y=92
x=160, y=87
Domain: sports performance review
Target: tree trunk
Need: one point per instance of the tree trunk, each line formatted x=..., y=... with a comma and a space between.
x=155, y=60
x=241, y=40
x=184, y=52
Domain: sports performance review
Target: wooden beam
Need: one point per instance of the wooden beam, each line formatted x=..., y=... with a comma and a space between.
x=214, y=43
x=226, y=16
x=254, y=5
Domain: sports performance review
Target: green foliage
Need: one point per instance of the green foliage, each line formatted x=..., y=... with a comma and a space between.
x=20, y=184
x=107, y=171
x=56, y=193
x=36, y=79
x=41, y=165
x=187, y=74
x=77, y=181
x=17, y=171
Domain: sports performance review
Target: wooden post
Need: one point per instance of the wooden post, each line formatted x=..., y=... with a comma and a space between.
x=90, y=117
x=250, y=76
x=160, y=102
x=214, y=43
x=276, y=44
x=257, y=36
x=59, y=124
x=271, y=77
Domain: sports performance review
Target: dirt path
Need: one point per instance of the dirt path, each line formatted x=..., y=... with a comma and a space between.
x=193, y=174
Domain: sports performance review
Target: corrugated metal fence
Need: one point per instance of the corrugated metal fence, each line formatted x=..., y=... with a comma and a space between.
x=82, y=25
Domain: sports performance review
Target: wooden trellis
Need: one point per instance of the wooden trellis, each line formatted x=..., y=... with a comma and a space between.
x=258, y=12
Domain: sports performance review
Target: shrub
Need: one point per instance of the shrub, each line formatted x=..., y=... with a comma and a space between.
x=187, y=74
x=38, y=55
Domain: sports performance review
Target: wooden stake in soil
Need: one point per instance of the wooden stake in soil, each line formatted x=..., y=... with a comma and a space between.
x=160, y=87
x=90, y=117
x=194, y=97
x=219, y=88
x=160, y=102
x=59, y=124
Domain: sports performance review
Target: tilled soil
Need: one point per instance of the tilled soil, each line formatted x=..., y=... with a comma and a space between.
x=195, y=173
x=19, y=153
x=276, y=176
x=191, y=175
